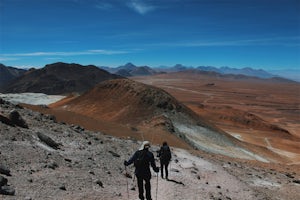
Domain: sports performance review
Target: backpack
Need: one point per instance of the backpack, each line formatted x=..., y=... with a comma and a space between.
x=165, y=153
x=141, y=160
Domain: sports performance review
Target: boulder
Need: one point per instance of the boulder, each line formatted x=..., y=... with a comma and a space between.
x=3, y=181
x=16, y=119
x=47, y=140
x=5, y=120
x=7, y=190
x=4, y=170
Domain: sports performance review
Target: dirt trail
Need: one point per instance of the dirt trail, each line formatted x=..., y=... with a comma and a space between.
x=194, y=178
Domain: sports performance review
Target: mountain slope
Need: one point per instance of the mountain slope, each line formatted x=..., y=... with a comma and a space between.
x=60, y=78
x=149, y=109
x=7, y=74
x=89, y=165
x=130, y=69
x=138, y=71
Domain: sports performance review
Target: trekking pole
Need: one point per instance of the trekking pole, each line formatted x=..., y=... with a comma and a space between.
x=133, y=185
x=134, y=182
x=156, y=184
x=127, y=181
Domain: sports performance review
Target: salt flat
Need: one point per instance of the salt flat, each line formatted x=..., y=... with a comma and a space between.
x=31, y=98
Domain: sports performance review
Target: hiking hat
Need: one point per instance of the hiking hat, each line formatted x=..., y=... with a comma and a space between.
x=146, y=144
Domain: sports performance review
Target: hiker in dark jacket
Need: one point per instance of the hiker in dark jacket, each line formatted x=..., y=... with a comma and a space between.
x=142, y=160
x=165, y=156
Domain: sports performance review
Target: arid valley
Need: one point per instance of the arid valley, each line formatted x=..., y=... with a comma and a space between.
x=260, y=112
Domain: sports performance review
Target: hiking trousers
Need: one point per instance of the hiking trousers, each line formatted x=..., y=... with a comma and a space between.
x=164, y=166
x=140, y=181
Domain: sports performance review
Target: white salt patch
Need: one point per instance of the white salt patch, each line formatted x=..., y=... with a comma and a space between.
x=31, y=98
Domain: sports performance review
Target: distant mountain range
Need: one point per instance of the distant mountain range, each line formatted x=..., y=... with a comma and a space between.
x=223, y=70
x=244, y=71
x=293, y=74
x=62, y=78
x=130, y=69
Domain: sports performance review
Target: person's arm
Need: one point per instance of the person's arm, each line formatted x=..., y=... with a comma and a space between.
x=159, y=152
x=170, y=153
x=153, y=165
x=132, y=159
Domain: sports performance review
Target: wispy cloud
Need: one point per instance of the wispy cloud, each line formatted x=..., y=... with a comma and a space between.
x=107, y=52
x=104, y=6
x=2, y=59
x=63, y=53
x=278, y=41
x=281, y=41
x=140, y=6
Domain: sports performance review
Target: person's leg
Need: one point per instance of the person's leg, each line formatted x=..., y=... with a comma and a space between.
x=141, y=187
x=148, y=189
x=166, y=168
x=161, y=170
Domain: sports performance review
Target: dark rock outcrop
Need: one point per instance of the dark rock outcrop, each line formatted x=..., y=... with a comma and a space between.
x=48, y=141
x=7, y=190
x=3, y=181
x=4, y=170
x=16, y=119
x=5, y=120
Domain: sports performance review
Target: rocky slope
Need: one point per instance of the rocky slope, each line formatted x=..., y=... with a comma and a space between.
x=50, y=160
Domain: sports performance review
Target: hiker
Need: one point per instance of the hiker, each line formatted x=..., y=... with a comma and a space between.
x=165, y=156
x=142, y=160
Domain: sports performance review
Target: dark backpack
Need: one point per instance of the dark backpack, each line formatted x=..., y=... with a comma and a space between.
x=165, y=153
x=141, y=160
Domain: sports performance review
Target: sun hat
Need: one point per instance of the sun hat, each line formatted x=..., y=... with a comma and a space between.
x=146, y=144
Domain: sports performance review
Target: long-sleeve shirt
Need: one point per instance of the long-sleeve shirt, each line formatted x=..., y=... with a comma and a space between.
x=143, y=170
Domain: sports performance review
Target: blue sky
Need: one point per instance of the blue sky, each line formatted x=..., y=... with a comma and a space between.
x=236, y=33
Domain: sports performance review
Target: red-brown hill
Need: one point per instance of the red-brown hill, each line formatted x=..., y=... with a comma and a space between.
x=154, y=114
